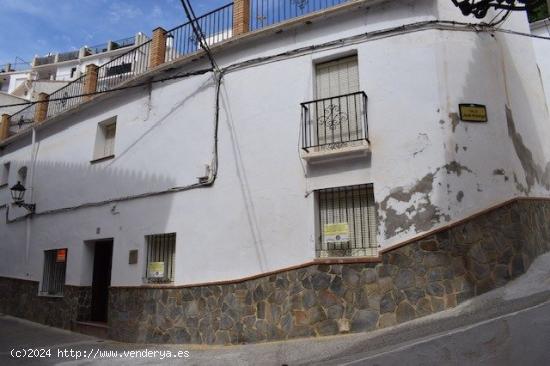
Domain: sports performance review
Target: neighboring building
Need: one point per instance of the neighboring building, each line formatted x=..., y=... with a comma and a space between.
x=332, y=184
x=21, y=78
x=8, y=99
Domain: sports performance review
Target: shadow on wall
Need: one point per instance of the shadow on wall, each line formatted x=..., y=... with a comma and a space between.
x=244, y=185
x=477, y=157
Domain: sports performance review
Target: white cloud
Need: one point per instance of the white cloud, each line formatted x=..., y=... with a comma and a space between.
x=122, y=10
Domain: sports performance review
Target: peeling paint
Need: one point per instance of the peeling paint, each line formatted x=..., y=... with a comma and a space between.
x=420, y=213
x=502, y=173
x=465, y=148
x=533, y=172
x=479, y=188
x=454, y=120
x=456, y=148
x=456, y=168
x=441, y=122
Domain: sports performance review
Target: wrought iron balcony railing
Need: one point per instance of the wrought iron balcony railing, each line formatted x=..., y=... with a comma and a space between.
x=335, y=122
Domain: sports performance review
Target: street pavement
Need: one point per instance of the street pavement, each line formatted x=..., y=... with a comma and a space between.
x=507, y=326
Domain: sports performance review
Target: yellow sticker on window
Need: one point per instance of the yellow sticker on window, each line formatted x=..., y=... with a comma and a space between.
x=156, y=270
x=336, y=233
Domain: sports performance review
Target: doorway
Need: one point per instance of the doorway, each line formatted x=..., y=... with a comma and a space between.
x=103, y=254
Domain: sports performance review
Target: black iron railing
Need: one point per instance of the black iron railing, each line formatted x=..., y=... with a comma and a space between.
x=22, y=119
x=216, y=26
x=68, y=97
x=335, y=122
x=124, y=67
x=264, y=13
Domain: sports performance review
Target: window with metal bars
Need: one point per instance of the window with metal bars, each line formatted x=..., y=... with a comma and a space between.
x=161, y=250
x=53, y=278
x=347, y=222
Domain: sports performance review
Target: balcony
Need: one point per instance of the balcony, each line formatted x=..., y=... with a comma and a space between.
x=335, y=128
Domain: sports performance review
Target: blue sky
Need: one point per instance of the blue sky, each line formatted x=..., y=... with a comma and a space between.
x=40, y=26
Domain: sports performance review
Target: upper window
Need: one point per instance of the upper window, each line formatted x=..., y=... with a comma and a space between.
x=22, y=175
x=337, y=119
x=347, y=222
x=161, y=250
x=105, y=139
x=53, y=278
x=337, y=77
x=537, y=10
x=5, y=175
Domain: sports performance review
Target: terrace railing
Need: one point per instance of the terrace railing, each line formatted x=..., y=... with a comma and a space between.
x=67, y=56
x=124, y=67
x=264, y=13
x=69, y=96
x=22, y=120
x=44, y=60
x=334, y=123
x=121, y=43
x=16, y=66
x=216, y=26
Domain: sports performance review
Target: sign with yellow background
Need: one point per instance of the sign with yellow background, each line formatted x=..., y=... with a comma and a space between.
x=336, y=233
x=156, y=269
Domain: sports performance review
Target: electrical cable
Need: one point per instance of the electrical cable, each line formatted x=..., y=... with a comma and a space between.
x=374, y=35
x=403, y=29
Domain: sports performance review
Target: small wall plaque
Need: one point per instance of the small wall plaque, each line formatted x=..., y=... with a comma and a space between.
x=473, y=112
x=133, y=257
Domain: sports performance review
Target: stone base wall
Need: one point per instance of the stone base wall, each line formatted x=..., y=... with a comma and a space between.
x=414, y=280
x=19, y=298
x=419, y=278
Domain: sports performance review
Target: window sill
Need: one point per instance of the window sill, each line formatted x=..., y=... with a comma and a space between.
x=50, y=296
x=99, y=160
x=347, y=151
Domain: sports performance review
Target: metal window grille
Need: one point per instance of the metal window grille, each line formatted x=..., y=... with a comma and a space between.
x=353, y=206
x=161, y=248
x=53, y=278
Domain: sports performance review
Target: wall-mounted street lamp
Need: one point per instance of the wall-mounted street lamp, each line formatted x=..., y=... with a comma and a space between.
x=18, y=197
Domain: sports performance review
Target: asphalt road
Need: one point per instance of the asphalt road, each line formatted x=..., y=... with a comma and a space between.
x=508, y=326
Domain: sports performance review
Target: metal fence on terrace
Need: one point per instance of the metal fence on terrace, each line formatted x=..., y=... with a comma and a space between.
x=264, y=13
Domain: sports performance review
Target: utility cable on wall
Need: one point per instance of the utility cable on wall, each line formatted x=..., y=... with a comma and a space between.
x=343, y=42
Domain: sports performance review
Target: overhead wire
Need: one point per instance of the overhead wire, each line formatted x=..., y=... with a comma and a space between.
x=373, y=35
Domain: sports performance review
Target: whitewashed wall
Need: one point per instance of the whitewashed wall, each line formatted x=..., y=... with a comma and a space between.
x=259, y=215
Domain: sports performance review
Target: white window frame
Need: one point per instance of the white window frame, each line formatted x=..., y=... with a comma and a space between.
x=105, y=139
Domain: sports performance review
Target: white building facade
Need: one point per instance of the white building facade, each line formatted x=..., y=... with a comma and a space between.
x=333, y=186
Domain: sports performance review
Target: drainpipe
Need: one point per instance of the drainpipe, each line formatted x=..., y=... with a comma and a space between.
x=30, y=189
